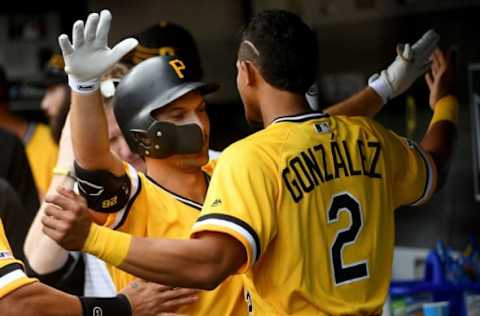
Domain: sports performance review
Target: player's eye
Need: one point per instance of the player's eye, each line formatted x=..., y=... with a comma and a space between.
x=177, y=115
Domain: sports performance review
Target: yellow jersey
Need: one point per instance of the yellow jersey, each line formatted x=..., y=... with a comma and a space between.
x=155, y=212
x=42, y=152
x=12, y=275
x=311, y=198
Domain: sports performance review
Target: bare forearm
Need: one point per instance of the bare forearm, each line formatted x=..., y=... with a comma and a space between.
x=364, y=103
x=440, y=141
x=184, y=263
x=89, y=132
x=37, y=299
x=45, y=255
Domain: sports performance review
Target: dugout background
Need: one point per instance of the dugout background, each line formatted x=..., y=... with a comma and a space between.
x=356, y=38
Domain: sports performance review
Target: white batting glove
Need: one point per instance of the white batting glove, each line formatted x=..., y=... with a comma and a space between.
x=89, y=56
x=411, y=63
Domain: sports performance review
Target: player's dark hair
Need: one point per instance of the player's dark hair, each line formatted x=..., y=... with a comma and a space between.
x=284, y=48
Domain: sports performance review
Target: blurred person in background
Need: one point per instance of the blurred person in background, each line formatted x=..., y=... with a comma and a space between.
x=40, y=145
x=19, y=209
x=56, y=101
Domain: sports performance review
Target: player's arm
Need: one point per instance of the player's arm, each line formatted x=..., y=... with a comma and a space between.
x=419, y=170
x=195, y=263
x=43, y=254
x=441, y=135
x=364, y=103
x=410, y=64
x=37, y=299
x=145, y=299
x=202, y=263
x=85, y=61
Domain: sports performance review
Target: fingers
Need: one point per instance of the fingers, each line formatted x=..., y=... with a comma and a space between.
x=52, y=233
x=122, y=48
x=66, y=200
x=77, y=34
x=426, y=67
x=440, y=63
x=104, y=27
x=440, y=57
x=65, y=44
x=55, y=212
x=429, y=80
x=427, y=43
x=91, y=27
x=68, y=193
x=58, y=200
x=50, y=222
x=404, y=51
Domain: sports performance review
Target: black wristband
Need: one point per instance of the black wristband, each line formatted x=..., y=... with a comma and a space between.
x=111, y=306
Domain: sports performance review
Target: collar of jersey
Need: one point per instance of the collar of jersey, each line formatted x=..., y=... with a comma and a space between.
x=300, y=117
x=178, y=197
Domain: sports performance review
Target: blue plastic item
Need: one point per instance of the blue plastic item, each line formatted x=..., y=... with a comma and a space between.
x=436, y=286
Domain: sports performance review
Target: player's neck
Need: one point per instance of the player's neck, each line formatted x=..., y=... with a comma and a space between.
x=186, y=182
x=275, y=103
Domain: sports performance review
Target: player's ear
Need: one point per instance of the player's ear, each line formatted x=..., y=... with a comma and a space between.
x=247, y=70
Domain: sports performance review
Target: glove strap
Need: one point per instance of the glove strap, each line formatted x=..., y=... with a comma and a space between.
x=83, y=87
x=380, y=85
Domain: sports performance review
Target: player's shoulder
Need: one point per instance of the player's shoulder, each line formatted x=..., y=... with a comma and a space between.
x=43, y=135
x=368, y=126
x=250, y=147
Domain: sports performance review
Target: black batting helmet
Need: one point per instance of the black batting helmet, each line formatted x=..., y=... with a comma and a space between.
x=151, y=85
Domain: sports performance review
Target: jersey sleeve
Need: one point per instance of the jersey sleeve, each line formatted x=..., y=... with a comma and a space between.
x=241, y=202
x=91, y=188
x=415, y=175
x=12, y=275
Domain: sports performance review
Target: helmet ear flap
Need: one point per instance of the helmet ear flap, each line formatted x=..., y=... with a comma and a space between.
x=163, y=139
x=143, y=141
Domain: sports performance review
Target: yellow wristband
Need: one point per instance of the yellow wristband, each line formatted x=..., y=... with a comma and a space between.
x=63, y=171
x=109, y=245
x=446, y=109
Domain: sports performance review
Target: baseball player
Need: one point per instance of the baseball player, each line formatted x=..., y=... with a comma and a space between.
x=168, y=38
x=21, y=295
x=83, y=274
x=269, y=192
x=39, y=144
x=56, y=100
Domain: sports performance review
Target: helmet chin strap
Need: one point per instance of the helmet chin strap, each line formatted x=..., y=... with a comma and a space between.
x=163, y=139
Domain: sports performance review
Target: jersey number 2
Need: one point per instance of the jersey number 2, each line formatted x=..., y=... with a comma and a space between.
x=346, y=273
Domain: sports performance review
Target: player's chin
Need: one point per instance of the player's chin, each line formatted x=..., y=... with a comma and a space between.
x=195, y=160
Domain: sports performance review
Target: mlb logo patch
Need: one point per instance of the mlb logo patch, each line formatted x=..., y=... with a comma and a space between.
x=5, y=254
x=322, y=127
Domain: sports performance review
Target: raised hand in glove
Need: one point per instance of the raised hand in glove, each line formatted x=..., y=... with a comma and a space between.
x=89, y=56
x=411, y=62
